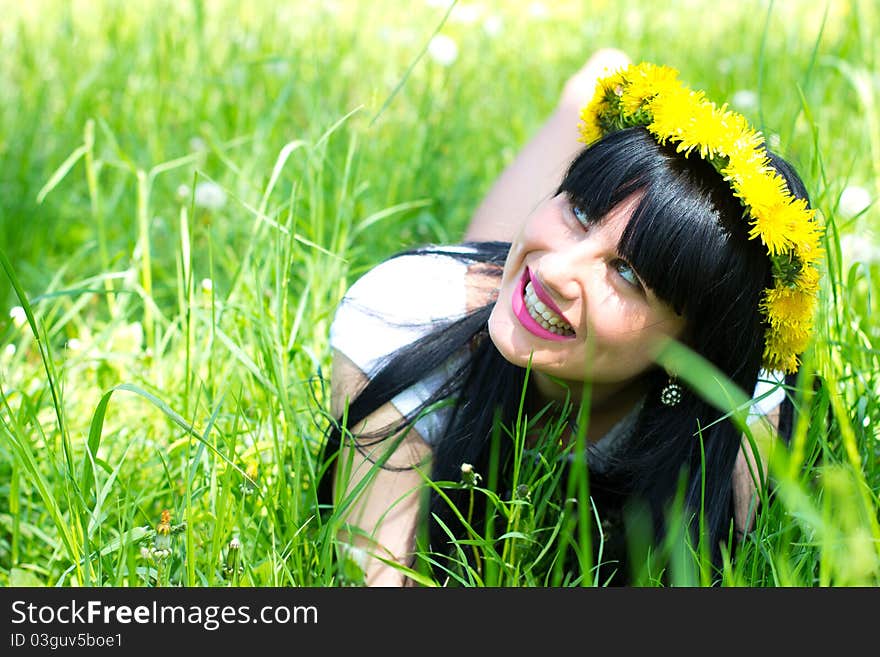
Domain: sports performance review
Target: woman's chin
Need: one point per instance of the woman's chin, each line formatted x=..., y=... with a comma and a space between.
x=512, y=340
x=502, y=332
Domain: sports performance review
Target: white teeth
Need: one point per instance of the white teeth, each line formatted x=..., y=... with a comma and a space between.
x=543, y=315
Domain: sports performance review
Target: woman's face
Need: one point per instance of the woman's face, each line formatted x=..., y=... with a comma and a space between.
x=596, y=321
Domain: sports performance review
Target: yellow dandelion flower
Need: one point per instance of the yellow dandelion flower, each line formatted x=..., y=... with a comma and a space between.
x=252, y=469
x=788, y=340
x=590, y=132
x=613, y=84
x=704, y=131
x=772, y=227
x=645, y=81
x=759, y=190
x=788, y=307
x=781, y=362
x=808, y=279
x=745, y=164
x=589, y=126
x=672, y=113
x=653, y=96
x=806, y=235
x=739, y=141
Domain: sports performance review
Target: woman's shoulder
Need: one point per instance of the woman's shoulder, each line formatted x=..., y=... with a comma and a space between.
x=421, y=285
x=394, y=304
x=400, y=300
x=768, y=395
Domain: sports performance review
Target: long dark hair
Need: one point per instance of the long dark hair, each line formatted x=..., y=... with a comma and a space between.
x=688, y=240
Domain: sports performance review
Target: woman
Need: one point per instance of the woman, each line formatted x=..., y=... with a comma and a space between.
x=673, y=224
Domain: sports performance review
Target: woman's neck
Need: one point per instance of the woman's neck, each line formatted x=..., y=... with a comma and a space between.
x=608, y=404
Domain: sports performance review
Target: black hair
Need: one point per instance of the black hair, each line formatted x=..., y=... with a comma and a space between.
x=688, y=240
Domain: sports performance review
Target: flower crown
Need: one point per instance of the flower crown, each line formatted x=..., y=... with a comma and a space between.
x=653, y=97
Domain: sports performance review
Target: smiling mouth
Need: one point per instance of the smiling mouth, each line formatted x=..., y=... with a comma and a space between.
x=542, y=313
x=536, y=315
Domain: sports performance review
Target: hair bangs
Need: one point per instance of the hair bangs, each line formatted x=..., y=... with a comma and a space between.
x=687, y=237
x=680, y=248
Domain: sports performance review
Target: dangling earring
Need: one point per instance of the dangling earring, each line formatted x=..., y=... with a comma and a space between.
x=671, y=393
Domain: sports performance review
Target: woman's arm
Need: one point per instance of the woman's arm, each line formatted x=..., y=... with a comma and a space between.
x=750, y=472
x=537, y=170
x=381, y=521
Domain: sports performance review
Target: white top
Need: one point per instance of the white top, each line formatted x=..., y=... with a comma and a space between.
x=397, y=302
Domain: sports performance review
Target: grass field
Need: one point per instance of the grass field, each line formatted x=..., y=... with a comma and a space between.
x=187, y=188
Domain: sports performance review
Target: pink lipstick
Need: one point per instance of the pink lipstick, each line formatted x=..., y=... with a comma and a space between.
x=542, y=294
x=522, y=314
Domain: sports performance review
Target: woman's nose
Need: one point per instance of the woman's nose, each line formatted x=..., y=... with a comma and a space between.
x=558, y=271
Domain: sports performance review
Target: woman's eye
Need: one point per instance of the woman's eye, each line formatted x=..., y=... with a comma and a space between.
x=579, y=214
x=627, y=273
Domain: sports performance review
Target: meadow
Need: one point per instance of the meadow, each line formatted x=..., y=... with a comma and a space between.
x=187, y=189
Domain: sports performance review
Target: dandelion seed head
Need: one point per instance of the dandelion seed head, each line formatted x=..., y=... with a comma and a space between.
x=279, y=67
x=853, y=200
x=744, y=99
x=18, y=316
x=210, y=196
x=467, y=13
x=493, y=25
x=859, y=248
x=443, y=50
x=198, y=145
x=128, y=338
x=538, y=10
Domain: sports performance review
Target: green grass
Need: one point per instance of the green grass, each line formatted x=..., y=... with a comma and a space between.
x=132, y=386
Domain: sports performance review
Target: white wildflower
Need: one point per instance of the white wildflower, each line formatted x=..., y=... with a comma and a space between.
x=859, y=248
x=18, y=316
x=198, y=145
x=634, y=19
x=75, y=344
x=468, y=13
x=538, y=10
x=443, y=50
x=183, y=192
x=469, y=476
x=210, y=195
x=853, y=200
x=745, y=99
x=279, y=68
x=207, y=285
x=493, y=25
x=9, y=350
x=128, y=338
